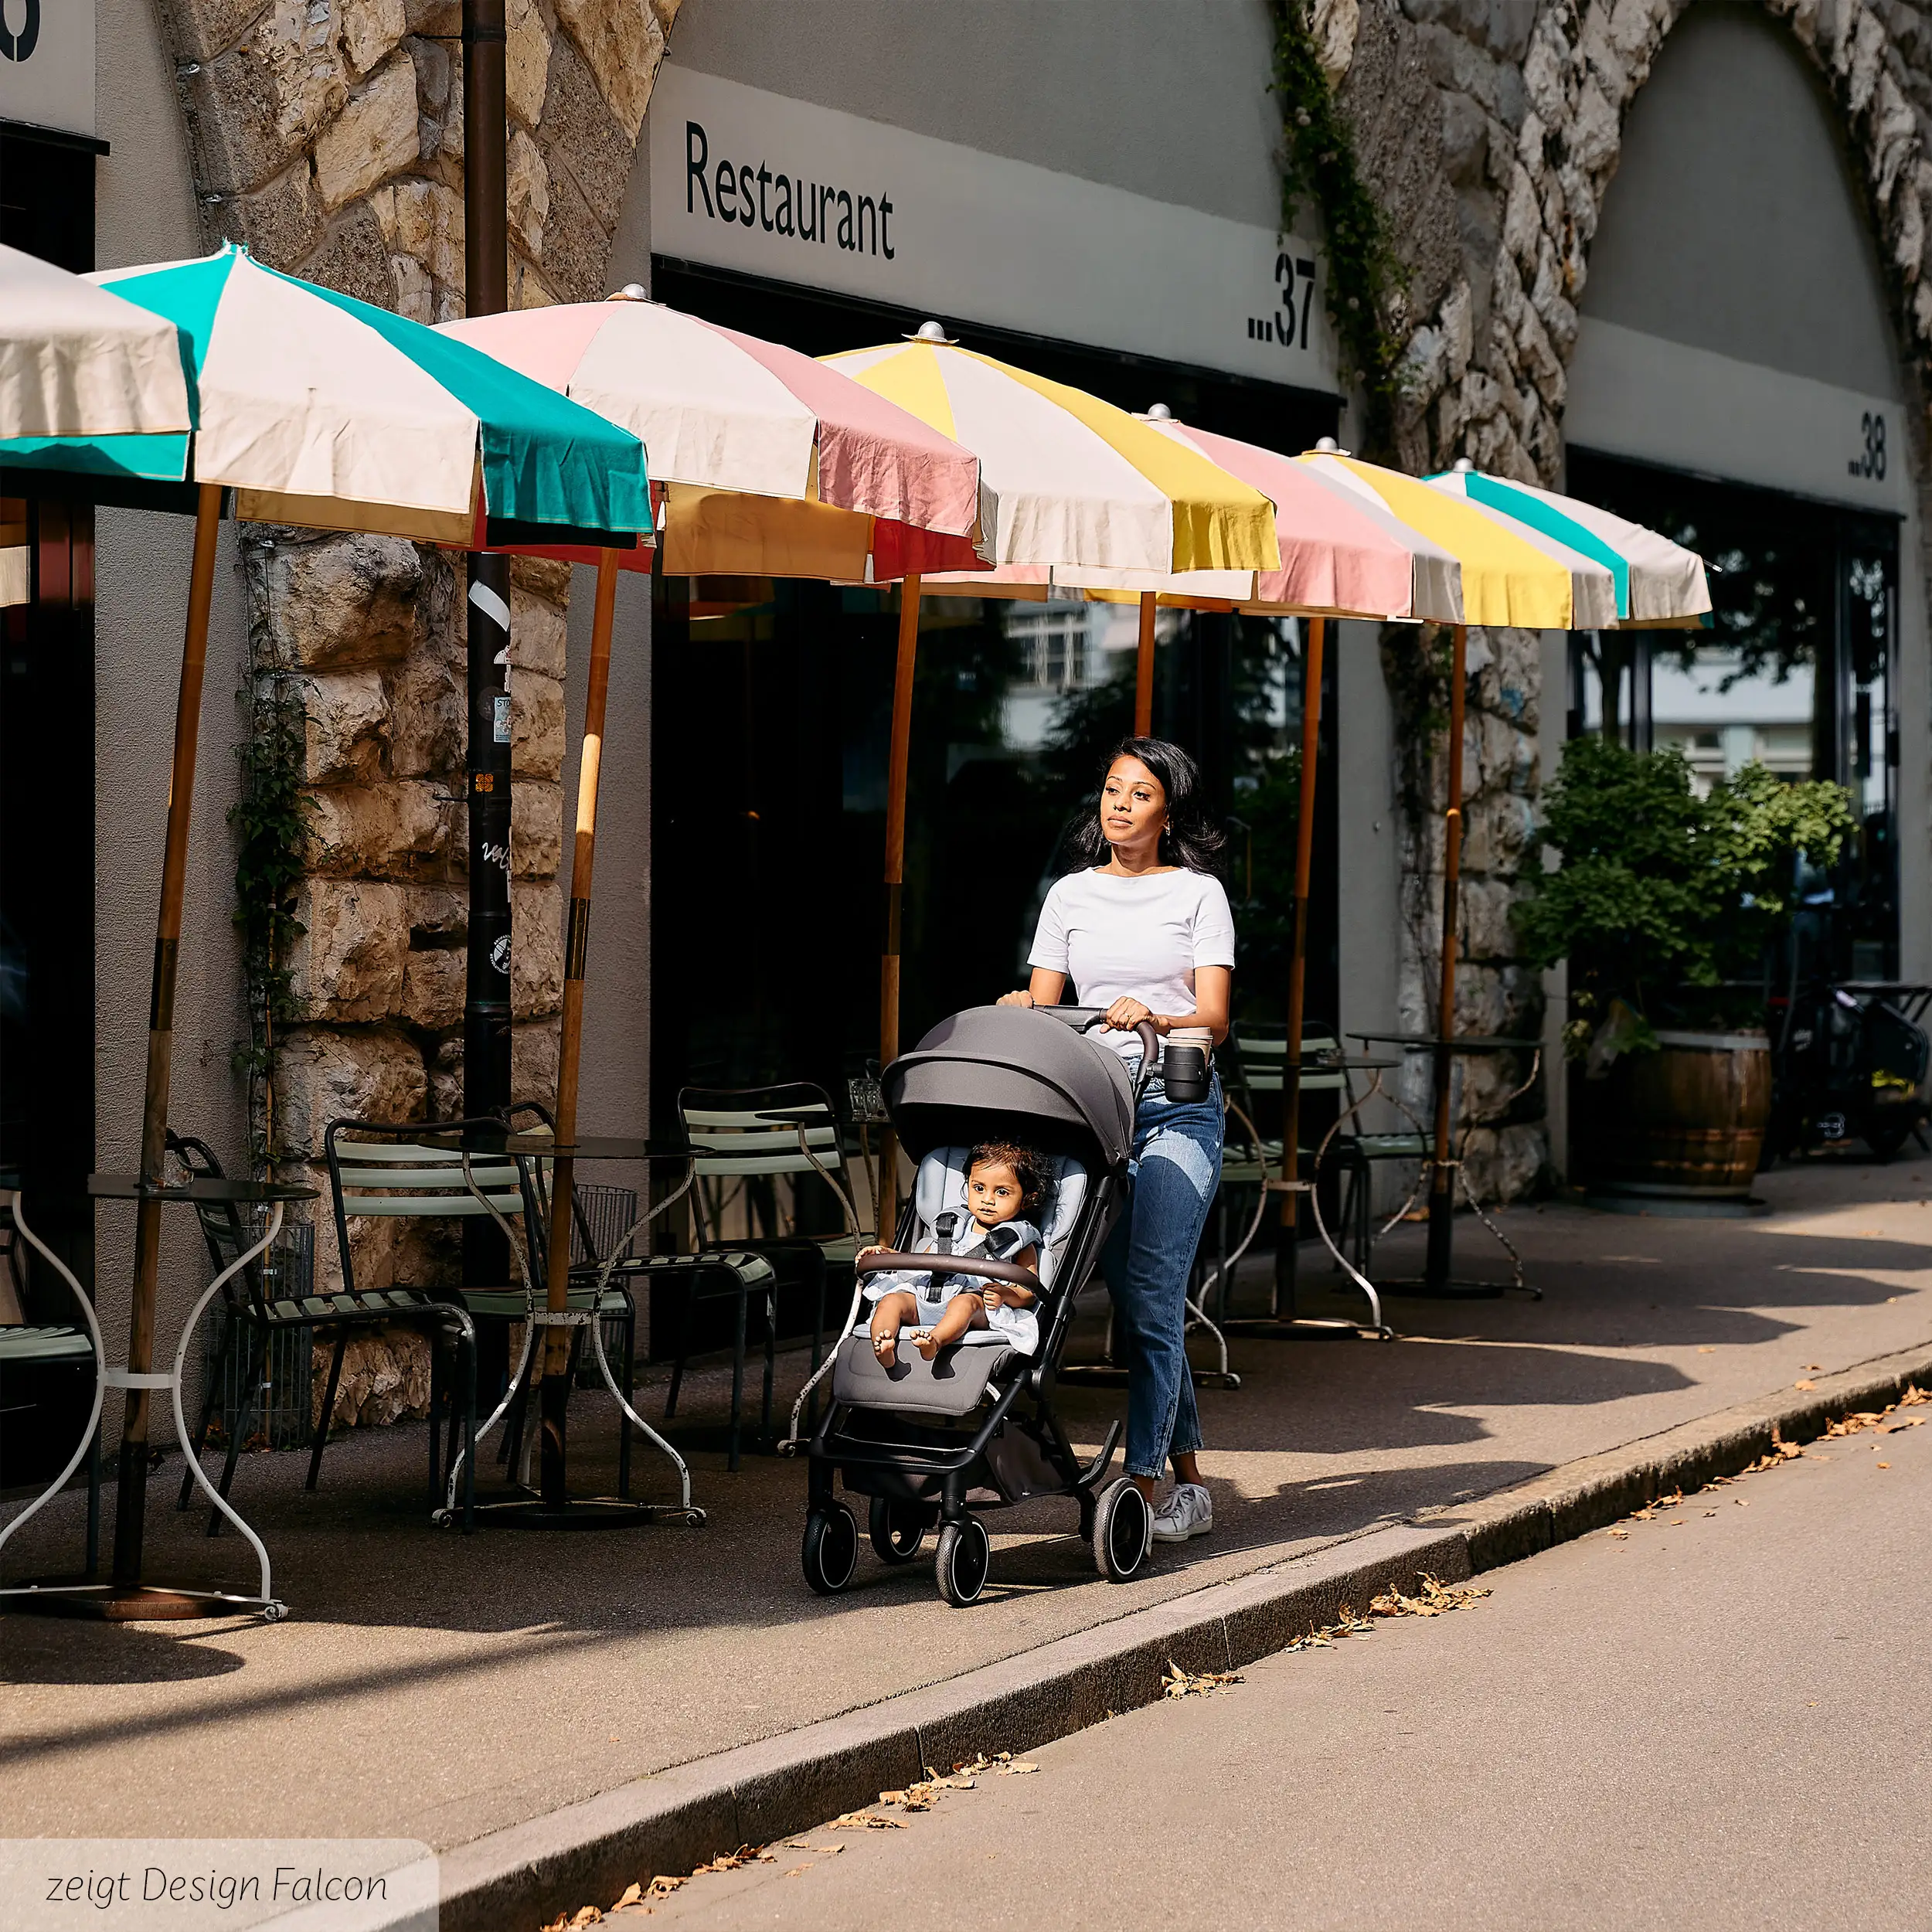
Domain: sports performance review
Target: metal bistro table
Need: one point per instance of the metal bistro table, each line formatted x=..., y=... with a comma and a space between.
x=1331, y=1068
x=129, y=1597
x=1446, y=1168
x=533, y=1510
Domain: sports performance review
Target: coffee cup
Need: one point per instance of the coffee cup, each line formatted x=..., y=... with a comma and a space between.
x=1185, y=1062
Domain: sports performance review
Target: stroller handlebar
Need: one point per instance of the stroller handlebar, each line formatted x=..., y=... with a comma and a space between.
x=890, y=1260
x=1084, y=1018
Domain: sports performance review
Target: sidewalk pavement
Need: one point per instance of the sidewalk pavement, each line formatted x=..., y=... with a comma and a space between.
x=432, y=1686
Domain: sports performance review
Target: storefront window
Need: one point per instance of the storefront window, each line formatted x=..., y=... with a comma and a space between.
x=773, y=721
x=1795, y=671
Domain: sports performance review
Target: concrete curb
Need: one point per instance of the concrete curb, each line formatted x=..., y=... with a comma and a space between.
x=513, y=1880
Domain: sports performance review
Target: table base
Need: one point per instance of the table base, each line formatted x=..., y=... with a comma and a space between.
x=1271, y=1328
x=582, y=1512
x=145, y=1603
x=1419, y=1288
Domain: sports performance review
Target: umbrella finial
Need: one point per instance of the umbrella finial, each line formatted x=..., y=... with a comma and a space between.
x=930, y=332
x=1160, y=413
x=1464, y=467
x=1328, y=446
x=630, y=292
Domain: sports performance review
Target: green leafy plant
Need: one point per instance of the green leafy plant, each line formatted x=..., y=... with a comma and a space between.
x=1660, y=897
x=270, y=822
x=1365, y=275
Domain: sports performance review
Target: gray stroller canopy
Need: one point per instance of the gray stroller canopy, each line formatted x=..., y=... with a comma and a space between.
x=1006, y=1060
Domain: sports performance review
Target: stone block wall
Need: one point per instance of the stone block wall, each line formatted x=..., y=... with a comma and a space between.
x=1490, y=130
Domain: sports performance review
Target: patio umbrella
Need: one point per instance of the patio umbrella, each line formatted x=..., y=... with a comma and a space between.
x=1514, y=572
x=1066, y=481
x=774, y=466
x=75, y=360
x=1656, y=581
x=318, y=410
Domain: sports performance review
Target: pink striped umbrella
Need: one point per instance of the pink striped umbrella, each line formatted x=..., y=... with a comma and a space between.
x=773, y=465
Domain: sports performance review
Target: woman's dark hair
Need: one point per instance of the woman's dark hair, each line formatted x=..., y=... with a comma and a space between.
x=1029, y=1168
x=1191, y=839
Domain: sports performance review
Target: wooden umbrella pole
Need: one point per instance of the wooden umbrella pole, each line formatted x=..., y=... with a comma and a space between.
x=1144, y=671
x=553, y=1406
x=1285, y=1255
x=902, y=738
x=1441, y=1188
x=130, y=1508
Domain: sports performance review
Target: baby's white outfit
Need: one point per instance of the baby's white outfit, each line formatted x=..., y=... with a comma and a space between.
x=955, y=1232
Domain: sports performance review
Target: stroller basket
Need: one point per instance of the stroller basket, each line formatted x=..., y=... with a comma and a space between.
x=936, y=1443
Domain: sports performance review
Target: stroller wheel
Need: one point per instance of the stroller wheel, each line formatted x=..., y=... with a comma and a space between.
x=1123, y=1527
x=830, y=1552
x=896, y=1530
x=964, y=1556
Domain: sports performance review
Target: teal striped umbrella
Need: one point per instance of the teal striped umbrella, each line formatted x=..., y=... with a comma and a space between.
x=319, y=409
x=316, y=410
x=1656, y=582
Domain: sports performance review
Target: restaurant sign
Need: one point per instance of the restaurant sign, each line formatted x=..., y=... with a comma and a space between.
x=744, y=179
x=47, y=64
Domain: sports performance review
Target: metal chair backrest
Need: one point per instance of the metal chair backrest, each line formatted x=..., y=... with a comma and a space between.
x=380, y=1171
x=755, y=1132
x=222, y=1226
x=1264, y=1049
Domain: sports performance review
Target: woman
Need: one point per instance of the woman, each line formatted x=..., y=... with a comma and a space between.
x=1143, y=930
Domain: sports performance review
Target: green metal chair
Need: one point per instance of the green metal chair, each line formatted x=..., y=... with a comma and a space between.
x=740, y=1139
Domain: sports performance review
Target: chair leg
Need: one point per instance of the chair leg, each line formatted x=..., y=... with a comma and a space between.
x=771, y=1359
x=466, y=1353
x=738, y=1377
x=328, y=1408
x=94, y=1504
x=244, y=1418
x=439, y=1384
x=626, y=1381
x=684, y=1348
x=819, y=1276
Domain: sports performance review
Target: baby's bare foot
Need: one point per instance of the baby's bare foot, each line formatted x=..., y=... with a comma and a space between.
x=926, y=1343
x=885, y=1347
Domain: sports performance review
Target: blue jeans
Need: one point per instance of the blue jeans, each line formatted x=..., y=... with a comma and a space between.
x=1175, y=1171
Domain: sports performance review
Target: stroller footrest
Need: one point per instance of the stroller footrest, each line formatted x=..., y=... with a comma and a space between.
x=951, y=1384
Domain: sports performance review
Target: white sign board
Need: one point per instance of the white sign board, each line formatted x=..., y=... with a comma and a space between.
x=47, y=63
x=1633, y=394
x=744, y=179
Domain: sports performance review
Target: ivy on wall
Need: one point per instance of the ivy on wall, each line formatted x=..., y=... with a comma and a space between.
x=1365, y=275
x=269, y=821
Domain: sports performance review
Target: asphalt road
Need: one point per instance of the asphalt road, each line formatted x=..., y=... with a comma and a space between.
x=1719, y=1719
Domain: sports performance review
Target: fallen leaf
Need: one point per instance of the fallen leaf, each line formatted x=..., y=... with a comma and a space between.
x=1742, y=1502
x=1436, y=1600
x=1623, y=1536
x=1180, y=1683
x=1707, y=1350
x=1885, y=1465
x=868, y=1821
x=1802, y=1383
x=632, y=1895
x=798, y=1871
x=1710, y=1512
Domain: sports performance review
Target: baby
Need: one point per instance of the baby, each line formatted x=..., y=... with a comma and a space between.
x=1003, y=1183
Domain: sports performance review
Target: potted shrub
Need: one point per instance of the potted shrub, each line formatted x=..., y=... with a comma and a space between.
x=1666, y=906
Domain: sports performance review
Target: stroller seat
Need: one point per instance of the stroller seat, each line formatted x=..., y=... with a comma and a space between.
x=953, y=1382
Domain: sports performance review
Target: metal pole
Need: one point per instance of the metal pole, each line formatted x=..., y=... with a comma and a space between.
x=131, y=1499
x=1144, y=671
x=486, y=1008
x=1286, y=1255
x=1441, y=1180
x=901, y=754
x=577, y=937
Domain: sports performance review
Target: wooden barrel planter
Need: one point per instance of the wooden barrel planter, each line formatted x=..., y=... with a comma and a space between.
x=1677, y=1131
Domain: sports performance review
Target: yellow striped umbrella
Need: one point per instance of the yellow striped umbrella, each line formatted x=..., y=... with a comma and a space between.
x=1065, y=481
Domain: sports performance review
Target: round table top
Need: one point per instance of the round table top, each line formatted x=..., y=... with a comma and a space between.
x=1339, y=1063
x=1456, y=1043
x=131, y=1187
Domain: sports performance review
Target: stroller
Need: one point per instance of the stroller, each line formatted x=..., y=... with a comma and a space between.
x=936, y=1443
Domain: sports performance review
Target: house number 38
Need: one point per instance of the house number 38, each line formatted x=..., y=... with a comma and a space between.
x=1871, y=461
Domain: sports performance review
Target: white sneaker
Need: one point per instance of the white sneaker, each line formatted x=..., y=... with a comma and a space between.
x=1188, y=1511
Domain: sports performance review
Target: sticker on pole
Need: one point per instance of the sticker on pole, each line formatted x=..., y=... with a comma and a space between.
x=186, y=1884
x=502, y=713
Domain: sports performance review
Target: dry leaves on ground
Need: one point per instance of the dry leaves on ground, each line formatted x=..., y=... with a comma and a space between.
x=1207, y=1683
x=638, y=1898
x=1437, y=1599
x=1350, y=1625
x=866, y=1822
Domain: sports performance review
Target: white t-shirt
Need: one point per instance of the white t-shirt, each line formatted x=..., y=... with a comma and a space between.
x=1142, y=937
